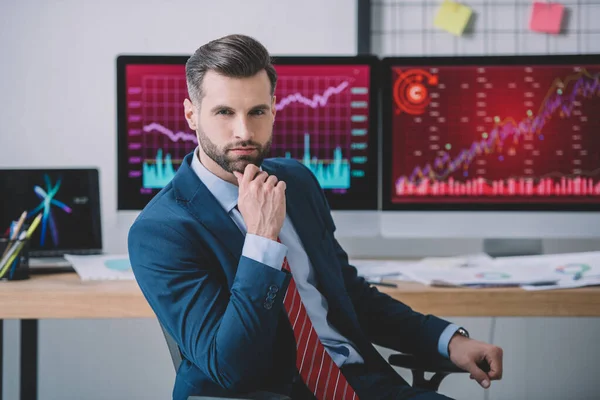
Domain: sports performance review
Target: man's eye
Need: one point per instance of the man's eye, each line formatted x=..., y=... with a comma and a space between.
x=224, y=112
x=258, y=112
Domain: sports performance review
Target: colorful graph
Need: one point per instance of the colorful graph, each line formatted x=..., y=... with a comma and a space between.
x=333, y=176
x=511, y=187
x=322, y=121
x=549, y=154
x=160, y=173
x=317, y=100
x=575, y=269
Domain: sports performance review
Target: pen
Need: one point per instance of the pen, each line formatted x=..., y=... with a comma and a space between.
x=15, y=233
x=388, y=284
x=19, y=225
x=12, y=254
x=34, y=225
x=16, y=249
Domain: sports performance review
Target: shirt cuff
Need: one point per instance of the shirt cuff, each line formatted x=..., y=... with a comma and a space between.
x=265, y=251
x=445, y=339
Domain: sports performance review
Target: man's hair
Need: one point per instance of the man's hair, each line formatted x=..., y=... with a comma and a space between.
x=234, y=56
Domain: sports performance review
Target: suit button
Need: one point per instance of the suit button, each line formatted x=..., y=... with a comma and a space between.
x=273, y=289
x=268, y=304
x=271, y=295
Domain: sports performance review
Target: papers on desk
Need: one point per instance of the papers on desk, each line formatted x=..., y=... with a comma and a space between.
x=378, y=270
x=550, y=271
x=467, y=260
x=102, y=267
x=570, y=270
x=480, y=276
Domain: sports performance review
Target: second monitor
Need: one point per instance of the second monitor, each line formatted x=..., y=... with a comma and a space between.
x=498, y=146
x=493, y=133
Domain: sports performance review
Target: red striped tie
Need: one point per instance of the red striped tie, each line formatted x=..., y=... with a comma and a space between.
x=318, y=371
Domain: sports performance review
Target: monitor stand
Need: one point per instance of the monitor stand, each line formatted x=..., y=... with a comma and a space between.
x=512, y=247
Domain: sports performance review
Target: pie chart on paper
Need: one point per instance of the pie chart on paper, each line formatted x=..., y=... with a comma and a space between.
x=102, y=267
x=118, y=264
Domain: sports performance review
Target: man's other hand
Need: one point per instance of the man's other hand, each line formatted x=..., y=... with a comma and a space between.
x=472, y=356
x=261, y=201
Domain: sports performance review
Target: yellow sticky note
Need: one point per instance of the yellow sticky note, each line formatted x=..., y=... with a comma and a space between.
x=452, y=17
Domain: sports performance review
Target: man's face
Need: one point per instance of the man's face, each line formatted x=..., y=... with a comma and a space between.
x=234, y=121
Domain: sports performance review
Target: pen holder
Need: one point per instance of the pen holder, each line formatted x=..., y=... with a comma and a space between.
x=19, y=267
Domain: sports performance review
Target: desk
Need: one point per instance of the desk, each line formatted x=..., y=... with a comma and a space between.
x=58, y=296
x=497, y=302
x=66, y=296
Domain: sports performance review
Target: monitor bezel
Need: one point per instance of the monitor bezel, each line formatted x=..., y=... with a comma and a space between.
x=336, y=202
x=94, y=195
x=124, y=199
x=387, y=108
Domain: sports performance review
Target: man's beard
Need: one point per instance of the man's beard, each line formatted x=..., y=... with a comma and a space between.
x=220, y=156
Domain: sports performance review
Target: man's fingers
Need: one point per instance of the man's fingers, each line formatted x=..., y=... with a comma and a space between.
x=261, y=177
x=271, y=180
x=238, y=176
x=480, y=376
x=494, y=359
x=282, y=185
x=250, y=172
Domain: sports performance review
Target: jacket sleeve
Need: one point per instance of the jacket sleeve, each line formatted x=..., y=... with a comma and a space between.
x=228, y=334
x=386, y=321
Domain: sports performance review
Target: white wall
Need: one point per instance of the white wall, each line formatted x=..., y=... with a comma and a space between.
x=58, y=82
x=57, y=108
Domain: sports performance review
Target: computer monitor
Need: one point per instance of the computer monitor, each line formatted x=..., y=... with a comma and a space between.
x=69, y=202
x=499, y=146
x=326, y=118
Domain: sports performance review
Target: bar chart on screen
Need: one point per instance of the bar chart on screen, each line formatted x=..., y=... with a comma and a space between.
x=323, y=118
x=322, y=121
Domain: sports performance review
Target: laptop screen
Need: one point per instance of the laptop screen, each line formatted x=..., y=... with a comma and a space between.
x=68, y=200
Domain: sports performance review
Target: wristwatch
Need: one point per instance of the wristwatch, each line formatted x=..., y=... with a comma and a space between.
x=463, y=332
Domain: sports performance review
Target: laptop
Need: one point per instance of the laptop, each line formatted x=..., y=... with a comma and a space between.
x=69, y=200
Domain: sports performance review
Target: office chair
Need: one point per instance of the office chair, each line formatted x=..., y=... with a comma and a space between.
x=176, y=357
x=440, y=367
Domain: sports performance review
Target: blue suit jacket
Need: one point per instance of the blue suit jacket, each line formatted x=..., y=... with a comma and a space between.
x=185, y=251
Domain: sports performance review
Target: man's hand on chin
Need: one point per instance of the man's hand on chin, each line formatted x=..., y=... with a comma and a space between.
x=470, y=354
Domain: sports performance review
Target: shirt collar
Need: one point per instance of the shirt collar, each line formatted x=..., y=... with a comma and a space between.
x=225, y=192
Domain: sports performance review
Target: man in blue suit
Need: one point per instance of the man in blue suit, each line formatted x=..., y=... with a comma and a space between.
x=238, y=259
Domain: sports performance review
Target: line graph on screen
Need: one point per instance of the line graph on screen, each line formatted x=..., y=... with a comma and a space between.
x=313, y=125
x=464, y=173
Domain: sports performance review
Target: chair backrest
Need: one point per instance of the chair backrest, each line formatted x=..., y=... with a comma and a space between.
x=173, y=348
x=176, y=357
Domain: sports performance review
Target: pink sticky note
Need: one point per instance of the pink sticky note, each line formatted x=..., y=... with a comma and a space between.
x=546, y=17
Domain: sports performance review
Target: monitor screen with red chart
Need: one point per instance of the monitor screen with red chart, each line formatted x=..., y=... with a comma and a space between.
x=492, y=133
x=326, y=119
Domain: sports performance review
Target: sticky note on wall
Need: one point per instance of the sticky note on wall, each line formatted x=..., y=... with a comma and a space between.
x=546, y=17
x=452, y=17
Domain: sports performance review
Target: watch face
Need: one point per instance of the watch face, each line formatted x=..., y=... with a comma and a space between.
x=463, y=332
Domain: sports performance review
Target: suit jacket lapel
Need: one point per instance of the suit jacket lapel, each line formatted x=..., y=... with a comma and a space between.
x=195, y=197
